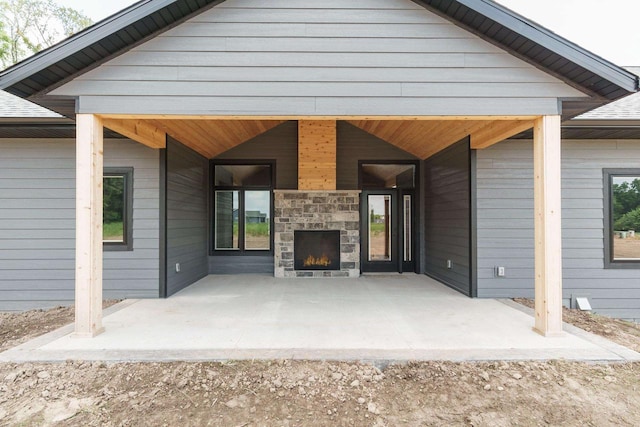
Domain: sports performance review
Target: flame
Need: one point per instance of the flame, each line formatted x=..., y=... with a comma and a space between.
x=313, y=261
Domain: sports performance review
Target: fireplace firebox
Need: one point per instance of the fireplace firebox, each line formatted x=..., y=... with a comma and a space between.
x=316, y=249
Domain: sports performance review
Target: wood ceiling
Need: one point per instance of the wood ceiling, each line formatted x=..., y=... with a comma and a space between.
x=420, y=137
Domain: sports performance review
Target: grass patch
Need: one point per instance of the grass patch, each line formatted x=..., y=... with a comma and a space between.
x=112, y=231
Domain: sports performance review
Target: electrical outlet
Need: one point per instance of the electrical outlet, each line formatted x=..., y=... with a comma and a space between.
x=177, y=267
x=500, y=271
x=449, y=264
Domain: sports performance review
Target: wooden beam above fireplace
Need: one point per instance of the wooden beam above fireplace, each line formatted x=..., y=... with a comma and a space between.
x=317, y=155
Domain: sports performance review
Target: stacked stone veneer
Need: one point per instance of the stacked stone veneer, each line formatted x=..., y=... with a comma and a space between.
x=317, y=210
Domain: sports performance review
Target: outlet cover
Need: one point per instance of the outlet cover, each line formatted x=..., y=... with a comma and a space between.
x=177, y=267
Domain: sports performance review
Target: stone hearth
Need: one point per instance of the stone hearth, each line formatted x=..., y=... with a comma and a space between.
x=317, y=210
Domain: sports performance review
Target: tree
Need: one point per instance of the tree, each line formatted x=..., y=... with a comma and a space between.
x=28, y=26
x=626, y=205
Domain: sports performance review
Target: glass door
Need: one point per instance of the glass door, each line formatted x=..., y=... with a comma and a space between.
x=387, y=231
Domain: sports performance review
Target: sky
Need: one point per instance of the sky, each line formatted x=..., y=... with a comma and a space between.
x=609, y=31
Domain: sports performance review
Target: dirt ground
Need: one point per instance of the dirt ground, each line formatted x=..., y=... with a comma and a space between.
x=627, y=248
x=302, y=393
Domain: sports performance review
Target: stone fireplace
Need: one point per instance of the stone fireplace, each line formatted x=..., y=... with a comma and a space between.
x=335, y=212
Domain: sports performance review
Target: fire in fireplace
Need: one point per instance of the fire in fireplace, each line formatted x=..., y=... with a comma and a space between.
x=316, y=250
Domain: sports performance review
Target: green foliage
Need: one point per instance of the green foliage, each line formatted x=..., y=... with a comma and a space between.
x=28, y=26
x=628, y=221
x=114, y=202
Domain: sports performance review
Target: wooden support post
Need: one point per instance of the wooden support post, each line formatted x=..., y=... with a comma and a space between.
x=89, y=175
x=548, y=226
x=317, y=155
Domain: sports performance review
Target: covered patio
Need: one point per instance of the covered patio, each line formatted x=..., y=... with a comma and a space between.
x=376, y=317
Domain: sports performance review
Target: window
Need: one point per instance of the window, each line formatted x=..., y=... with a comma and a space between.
x=622, y=218
x=242, y=207
x=117, y=209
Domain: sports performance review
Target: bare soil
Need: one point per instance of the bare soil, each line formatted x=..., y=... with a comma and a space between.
x=627, y=248
x=619, y=331
x=302, y=393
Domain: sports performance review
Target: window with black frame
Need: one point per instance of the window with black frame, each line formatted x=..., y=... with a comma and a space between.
x=117, y=215
x=242, y=207
x=622, y=197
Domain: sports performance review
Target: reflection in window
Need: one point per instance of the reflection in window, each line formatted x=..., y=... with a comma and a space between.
x=257, y=233
x=113, y=209
x=226, y=219
x=388, y=175
x=379, y=227
x=242, y=176
x=625, y=211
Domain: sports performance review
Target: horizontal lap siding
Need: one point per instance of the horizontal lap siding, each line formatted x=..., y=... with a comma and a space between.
x=187, y=216
x=505, y=223
x=317, y=58
x=448, y=216
x=37, y=224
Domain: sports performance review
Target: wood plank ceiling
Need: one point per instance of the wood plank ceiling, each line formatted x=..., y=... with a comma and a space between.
x=422, y=138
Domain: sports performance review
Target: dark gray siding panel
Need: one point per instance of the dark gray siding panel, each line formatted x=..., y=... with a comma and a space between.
x=279, y=144
x=37, y=224
x=187, y=216
x=221, y=264
x=448, y=216
x=505, y=223
x=354, y=145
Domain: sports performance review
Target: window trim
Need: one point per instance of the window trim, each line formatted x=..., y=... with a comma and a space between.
x=242, y=251
x=609, y=262
x=127, y=245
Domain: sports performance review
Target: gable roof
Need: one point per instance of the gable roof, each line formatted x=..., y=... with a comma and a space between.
x=37, y=75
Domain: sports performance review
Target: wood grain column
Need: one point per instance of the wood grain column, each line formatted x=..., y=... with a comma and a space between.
x=89, y=175
x=548, y=226
x=316, y=155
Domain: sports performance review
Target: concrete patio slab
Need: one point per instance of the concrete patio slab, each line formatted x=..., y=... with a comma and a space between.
x=379, y=317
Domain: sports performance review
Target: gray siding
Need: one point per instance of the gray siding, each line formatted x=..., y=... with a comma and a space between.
x=505, y=223
x=356, y=57
x=354, y=144
x=279, y=144
x=37, y=224
x=448, y=216
x=187, y=216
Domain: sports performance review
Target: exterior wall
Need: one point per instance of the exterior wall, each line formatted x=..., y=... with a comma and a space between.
x=505, y=223
x=354, y=144
x=448, y=216
x=187, y=216
x=358, y=57
x=37, y=224
x=279, y=144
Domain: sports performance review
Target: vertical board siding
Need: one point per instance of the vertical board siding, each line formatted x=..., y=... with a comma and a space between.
x=316, y=154
x=505, y=223
x=448, y=216
x=37, y=224
x=357, y=57
x=187, y=216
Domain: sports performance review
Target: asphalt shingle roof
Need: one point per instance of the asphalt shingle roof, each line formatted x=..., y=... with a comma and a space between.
x=627, y=108
x=12, y=106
